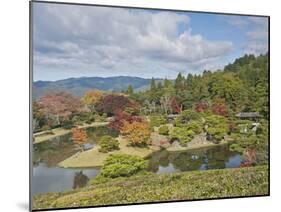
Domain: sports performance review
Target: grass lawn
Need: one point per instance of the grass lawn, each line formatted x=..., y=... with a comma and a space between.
x=163, y=187
x=38, y=138
x=94, y=158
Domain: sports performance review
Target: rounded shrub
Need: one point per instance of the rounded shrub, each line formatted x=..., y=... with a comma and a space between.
x=184, y=135
x=121, y=165
x=163, y=130
x=108, y=143
x=186, y=116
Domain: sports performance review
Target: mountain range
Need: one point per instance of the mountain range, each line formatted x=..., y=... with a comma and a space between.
x=78, y=86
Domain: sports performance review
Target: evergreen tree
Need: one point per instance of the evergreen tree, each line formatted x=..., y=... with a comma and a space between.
x=130, y=90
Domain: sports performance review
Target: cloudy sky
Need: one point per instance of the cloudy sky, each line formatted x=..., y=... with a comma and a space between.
x=76, y=41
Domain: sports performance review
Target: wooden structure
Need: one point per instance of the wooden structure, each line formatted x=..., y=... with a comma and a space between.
x=249, y=116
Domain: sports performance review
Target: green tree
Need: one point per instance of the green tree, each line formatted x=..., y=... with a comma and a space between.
x=130, y=90
x=216, y=127
x=121, y=165
x=186, y=116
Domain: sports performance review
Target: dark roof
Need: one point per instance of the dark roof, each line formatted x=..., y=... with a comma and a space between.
x=248, y=115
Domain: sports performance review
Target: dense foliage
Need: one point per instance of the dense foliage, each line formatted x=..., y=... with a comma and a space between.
x=108, y=144
x=252, y=141
x=91, y=98
x=241, y=86
x=163, y=130
x=216, y=127
x=137, y=133
x=121, y=117
x=79, y=136
x=121, y=165
x=183, y=134
x=186, y=116
x=157, y=120
x=112, y=102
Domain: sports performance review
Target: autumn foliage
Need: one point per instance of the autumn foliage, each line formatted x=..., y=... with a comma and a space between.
x=137, y=133
x=60, y=104
x=201, y=106
x=112, y=102
x=219, y=107
x=79, y=135
x=175, y=105
x=91, y=98
x=120, y=117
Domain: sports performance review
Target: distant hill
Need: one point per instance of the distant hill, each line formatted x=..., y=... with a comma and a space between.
x=78, y=86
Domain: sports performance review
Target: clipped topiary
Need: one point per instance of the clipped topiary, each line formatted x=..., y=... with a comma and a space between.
x=108, y=144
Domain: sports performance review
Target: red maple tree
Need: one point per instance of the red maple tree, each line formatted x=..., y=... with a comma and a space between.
x=120, y=117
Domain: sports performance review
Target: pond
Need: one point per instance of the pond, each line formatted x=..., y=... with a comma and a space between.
x=218, y=157
x=47, y=177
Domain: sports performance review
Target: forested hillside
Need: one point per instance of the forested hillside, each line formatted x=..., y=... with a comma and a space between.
x=241, y=86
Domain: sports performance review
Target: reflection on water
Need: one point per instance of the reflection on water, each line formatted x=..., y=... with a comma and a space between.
x=80, y=180
x=47, y=177
x=54, y=151
x=201, y=159
x=55, y=179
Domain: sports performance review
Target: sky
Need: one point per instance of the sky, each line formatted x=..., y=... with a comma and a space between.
x=86, y=41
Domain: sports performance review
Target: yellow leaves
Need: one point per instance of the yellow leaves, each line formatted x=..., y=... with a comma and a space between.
x=91, y=97
x=136, y=132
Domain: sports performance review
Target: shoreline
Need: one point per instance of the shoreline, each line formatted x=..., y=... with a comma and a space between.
x=93, y=158
x=60, y=132
x=199, y=146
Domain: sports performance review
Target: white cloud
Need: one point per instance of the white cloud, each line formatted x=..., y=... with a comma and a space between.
x=256, y=33
x=97, y=41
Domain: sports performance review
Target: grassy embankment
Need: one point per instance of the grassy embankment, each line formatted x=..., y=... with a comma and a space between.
x=94, y=158
x=43, y=136
x=163, y=187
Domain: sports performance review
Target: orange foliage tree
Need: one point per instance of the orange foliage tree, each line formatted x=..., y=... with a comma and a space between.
x=79, y=135
x=137, y=133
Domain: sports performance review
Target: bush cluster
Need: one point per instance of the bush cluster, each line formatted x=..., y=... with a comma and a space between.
x=187, y=116
x=183, y=135
x=163, y=130
x=121, y=165
x=217, y=127
x=156, y=121
x=108, y=144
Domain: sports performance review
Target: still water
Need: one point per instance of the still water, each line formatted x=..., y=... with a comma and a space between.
x=47, y=177
x=218, y=157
